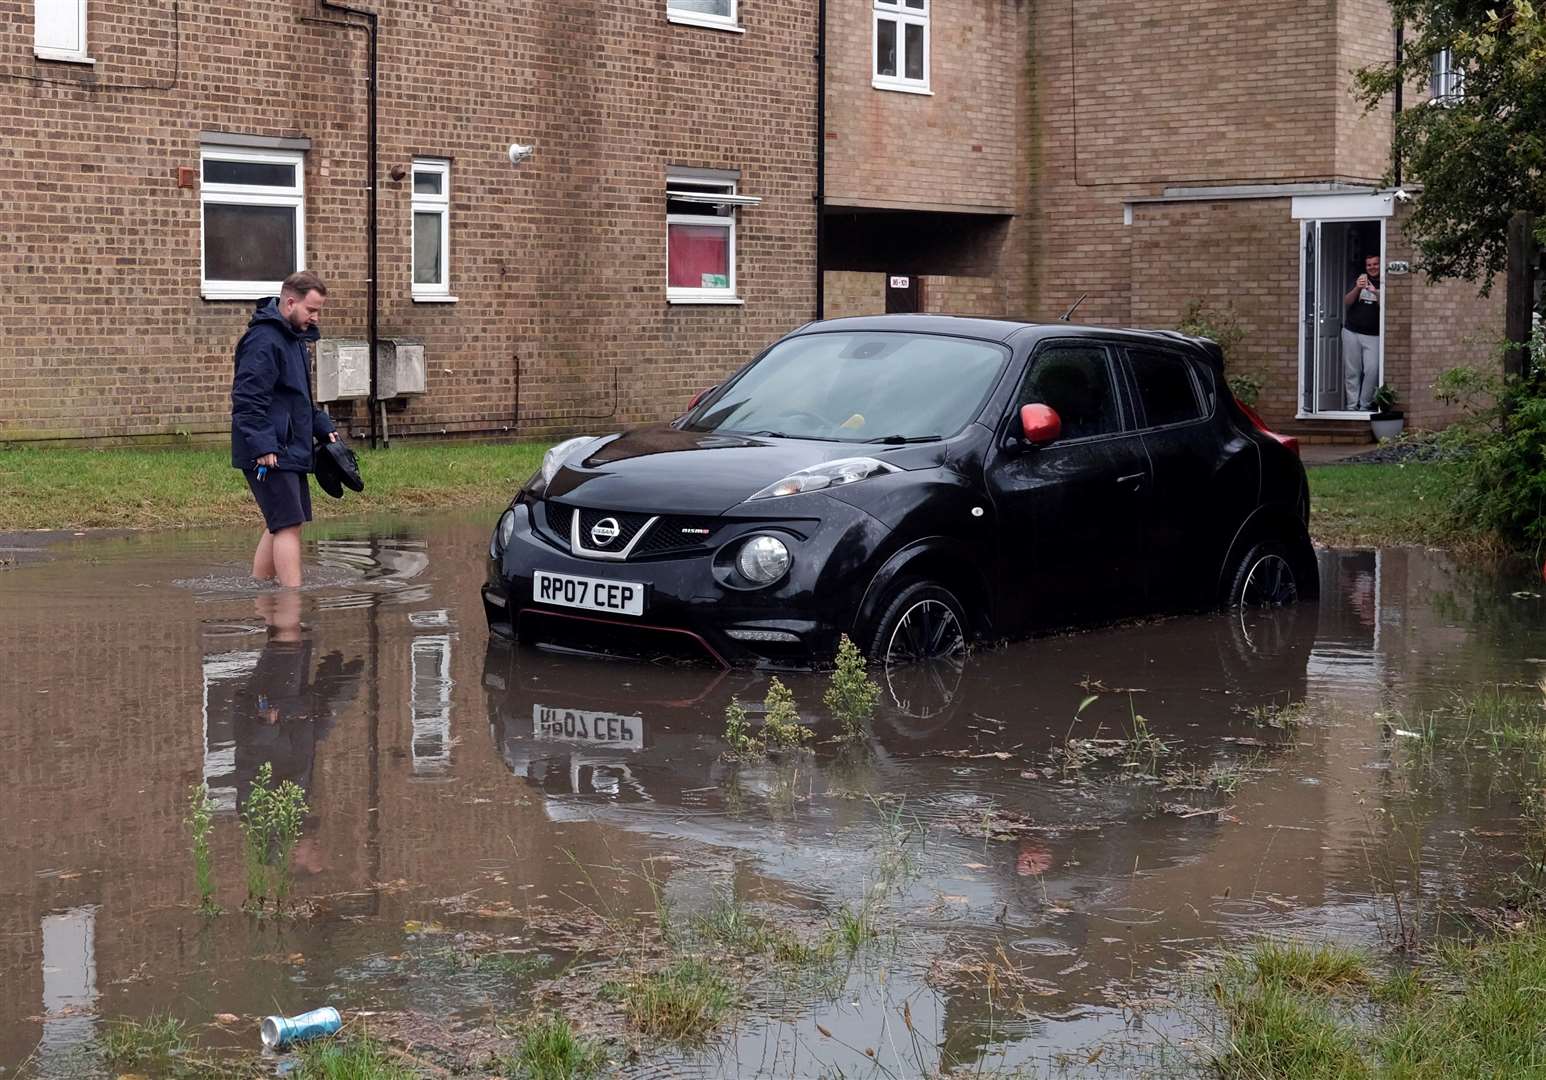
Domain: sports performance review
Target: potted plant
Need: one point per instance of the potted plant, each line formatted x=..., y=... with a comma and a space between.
x=1386, y=420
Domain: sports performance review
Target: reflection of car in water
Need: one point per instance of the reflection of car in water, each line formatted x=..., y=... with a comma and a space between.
x=915, y=482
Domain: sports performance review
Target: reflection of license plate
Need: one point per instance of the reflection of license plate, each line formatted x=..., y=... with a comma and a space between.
x=573, y=725
x=592, y=594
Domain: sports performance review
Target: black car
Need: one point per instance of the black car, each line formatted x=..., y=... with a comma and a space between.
x=915, y=482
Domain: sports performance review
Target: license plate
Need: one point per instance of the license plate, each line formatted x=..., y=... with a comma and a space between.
x=589, y=594
x=574, y=725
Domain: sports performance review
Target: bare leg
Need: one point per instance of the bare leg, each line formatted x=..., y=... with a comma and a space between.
x=263, y=558
x=287, y=556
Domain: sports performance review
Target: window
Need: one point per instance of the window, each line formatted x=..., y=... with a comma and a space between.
x=1075, y=382
x=1166, y=389
x=254, y=221
x=59, y=31
x=719, y=14
x=700, y=238
x=902, y=45
x=432, y=229
x=1446, y=84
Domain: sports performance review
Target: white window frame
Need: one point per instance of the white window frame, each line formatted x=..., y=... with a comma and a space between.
x=1446, y=82
x=425, y=292
x=75, y=55
x=711, y=22
x=727, y=195
x=904, y=13
x=251, y=195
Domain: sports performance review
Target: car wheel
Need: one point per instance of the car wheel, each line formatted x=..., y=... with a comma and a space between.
x=923, y=622
x=1264, y=578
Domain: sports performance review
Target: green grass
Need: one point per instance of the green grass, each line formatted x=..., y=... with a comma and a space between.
x=1386, y=505
x=1475, y=1012
x=151, y=1045
x=682, y=1003
x=550, y=1050
x=175, y=488
x=349, y=1057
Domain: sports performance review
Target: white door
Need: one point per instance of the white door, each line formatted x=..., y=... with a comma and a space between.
x=1332, y=256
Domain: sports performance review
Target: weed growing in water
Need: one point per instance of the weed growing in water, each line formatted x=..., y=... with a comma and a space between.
x=744, y=745
x=1290, y=716
x=729, y=926
x=851, y=694
x=853, y=927
x=551, y=1050
x=683, y=1002
x=151, y=1045
x=1143, y=749
x=781, y=726
x=350, y=1057
x=199, y=821
x=271, y=825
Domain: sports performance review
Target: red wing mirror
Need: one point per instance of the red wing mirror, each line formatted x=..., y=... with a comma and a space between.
x=1040, y=424
x=699, y=396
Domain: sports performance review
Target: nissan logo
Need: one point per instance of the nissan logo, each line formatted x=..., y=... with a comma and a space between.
x=605, y=531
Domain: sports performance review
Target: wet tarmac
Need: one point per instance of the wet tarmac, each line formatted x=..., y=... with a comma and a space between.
x=1032, y=890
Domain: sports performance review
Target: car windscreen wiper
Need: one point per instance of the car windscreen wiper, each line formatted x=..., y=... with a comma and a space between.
x=898, y=440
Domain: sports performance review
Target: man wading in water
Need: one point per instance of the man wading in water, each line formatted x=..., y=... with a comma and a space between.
x=273, y=421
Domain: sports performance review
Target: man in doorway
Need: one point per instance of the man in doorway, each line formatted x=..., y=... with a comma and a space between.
x=273, y=421
x=1361, y=338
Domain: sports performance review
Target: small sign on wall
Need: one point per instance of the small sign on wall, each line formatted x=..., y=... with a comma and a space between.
x=1397, y=267
x=901, y=282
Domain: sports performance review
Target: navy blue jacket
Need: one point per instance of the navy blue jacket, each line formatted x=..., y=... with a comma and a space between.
x=271, y=409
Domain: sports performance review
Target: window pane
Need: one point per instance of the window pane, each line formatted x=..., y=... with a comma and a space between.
x=917, y=5
x=701, y=7
x=265, y=173
x=914, y=51
x=1076, y=384
x=1165, y=388
x=885, y=47
x=426, y=249
x=699, y=257
x=249, y=243
x=427, y=183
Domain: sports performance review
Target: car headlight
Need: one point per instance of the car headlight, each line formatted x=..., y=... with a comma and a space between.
x=554, y=459
x=826, y=475
x=502, y=534
x=763, y=559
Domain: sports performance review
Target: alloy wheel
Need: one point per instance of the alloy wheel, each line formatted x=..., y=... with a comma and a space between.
x=1270, y=584
x=926, y=631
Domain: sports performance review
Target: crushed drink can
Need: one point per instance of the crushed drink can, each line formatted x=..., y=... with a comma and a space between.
x=282, y=1031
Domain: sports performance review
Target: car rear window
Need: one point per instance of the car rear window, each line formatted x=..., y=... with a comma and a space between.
x=1165, y=388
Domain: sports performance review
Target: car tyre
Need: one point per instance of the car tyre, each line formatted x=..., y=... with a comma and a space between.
x=923, y=622
x=1265, y=577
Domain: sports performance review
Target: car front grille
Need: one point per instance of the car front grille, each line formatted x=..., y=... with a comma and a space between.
x=669, y=534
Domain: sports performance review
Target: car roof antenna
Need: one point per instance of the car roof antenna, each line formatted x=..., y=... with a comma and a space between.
x=1069, y=314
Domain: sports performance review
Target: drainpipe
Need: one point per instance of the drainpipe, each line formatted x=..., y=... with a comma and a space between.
x=1400, y=85
x=371, y=301
x=821, y=159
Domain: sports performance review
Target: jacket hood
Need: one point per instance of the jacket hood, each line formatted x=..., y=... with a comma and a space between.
x=267, y=311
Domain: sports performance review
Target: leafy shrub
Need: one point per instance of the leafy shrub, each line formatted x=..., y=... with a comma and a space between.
x=1223, y=327
x=781, y=725
x=851, y=695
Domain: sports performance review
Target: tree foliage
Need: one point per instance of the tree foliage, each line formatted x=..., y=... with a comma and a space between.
x=1478, y=155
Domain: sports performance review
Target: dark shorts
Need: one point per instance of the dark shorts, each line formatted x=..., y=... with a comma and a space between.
x=284, y=498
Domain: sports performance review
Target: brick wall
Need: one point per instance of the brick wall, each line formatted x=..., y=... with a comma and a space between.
x=852, y=292
x=1364, y=38
x=559, y=264
x=948, y=295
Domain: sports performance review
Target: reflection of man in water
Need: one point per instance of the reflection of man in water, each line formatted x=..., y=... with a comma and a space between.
x=284, y=710
x=1361, y=338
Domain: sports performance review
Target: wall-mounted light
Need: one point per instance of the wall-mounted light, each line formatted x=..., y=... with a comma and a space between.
x=519, y=152
x=397, y=172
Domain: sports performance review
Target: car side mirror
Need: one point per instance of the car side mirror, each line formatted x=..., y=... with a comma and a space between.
x=1040, y=424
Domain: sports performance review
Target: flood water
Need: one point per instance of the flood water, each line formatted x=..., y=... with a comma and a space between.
x=1024, y=904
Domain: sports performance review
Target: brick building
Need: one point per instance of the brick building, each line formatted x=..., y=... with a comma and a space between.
x=163, y=163
x=971, y=156
x=1040, y=151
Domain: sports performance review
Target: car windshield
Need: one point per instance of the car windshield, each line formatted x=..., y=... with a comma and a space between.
x=858, y=387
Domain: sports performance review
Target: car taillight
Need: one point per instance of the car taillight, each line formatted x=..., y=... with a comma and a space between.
x=1261, y=426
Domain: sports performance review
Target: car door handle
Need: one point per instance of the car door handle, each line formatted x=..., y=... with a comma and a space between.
x=1134, y=479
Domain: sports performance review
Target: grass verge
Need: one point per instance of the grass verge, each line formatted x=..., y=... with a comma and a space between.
x=1386, y=505
x=1473, y=1011
x=157, y=489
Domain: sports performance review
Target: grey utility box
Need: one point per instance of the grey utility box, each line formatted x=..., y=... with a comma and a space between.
x=343, y=369
x=399, y=368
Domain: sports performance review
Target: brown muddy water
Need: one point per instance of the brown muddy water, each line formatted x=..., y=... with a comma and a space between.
x=494, y=831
